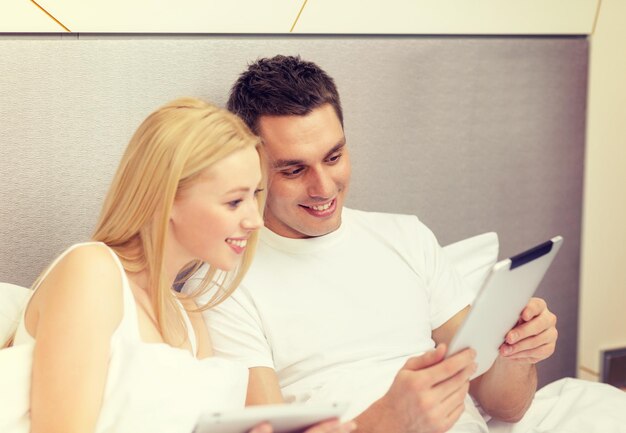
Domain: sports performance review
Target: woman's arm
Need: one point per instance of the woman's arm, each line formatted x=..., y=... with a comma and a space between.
x=72, y=317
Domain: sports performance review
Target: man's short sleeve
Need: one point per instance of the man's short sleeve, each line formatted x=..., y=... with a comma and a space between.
x=448, y=293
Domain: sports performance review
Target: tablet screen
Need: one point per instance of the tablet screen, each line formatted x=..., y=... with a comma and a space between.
x=506, y=291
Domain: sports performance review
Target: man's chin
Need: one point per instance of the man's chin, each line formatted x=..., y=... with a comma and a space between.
x=304, y=232
x=321, y=229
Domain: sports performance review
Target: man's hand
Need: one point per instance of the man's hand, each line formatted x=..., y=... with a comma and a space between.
x=506, y=390
x=534, y=337
x=426, y=396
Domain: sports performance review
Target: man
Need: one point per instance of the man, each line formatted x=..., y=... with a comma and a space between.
x=349, y=305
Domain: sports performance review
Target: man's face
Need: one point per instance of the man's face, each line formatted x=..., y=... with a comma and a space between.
x=309, y=172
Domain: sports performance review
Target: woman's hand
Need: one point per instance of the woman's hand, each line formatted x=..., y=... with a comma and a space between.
x=331, y=426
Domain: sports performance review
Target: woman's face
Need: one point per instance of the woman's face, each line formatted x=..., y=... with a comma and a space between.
x=214, y=216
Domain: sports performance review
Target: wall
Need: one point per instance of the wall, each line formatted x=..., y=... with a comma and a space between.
x=603, y=274
x=470, y=133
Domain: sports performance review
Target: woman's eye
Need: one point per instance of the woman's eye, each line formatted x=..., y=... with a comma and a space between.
x=234, y=203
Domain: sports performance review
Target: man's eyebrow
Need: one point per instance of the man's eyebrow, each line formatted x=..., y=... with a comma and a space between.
x=337, y=148
x=282, y=163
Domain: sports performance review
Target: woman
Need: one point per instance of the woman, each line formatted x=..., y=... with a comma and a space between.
x=113, y=347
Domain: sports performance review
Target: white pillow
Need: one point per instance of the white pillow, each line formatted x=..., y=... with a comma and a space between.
x=13, y=300
x=473, y=258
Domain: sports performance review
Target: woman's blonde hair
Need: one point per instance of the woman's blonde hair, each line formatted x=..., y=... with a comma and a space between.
x=165, y=155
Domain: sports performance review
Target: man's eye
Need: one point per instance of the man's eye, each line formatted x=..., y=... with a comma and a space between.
x=292, y=172
x=334, y=158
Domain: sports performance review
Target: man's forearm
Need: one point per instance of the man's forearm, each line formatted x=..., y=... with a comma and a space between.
x=375, y=420
x=506, y=391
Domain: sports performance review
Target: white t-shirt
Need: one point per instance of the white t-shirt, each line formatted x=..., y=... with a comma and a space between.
x=340, y=311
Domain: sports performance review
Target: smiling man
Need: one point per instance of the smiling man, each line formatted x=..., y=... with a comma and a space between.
x=310, y=172
x=356, y=306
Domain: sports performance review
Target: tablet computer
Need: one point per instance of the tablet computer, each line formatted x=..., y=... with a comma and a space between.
x=507, y=289
x=284, y=418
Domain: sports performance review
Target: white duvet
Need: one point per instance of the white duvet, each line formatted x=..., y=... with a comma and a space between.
x=565, y=406
x=151, y=388
x=571, y=406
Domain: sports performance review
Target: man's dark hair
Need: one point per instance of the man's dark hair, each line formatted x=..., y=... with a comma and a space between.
x=282, y=86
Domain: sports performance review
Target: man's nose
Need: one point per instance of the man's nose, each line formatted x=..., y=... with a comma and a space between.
x=320, y=184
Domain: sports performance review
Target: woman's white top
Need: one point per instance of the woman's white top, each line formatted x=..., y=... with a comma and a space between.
x=151, y=387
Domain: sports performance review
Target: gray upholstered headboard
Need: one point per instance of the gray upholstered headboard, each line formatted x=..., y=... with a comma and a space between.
x=470, y=133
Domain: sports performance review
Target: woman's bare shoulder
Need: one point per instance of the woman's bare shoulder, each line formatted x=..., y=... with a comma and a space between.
x=85, y=279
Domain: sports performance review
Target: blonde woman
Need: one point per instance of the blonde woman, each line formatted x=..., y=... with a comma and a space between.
x=109, y=346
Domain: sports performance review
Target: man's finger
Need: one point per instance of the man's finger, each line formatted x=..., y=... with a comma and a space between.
x=534, y=327
x=537, y=353
x=455, y=385
x=548, y=336
x=262, y=428
x=458, y=406
x=534, y=307
x=427, y=359
x=454, y=416
x=452, y=365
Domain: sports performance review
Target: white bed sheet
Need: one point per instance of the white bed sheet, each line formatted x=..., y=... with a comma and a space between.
x=571, y=406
